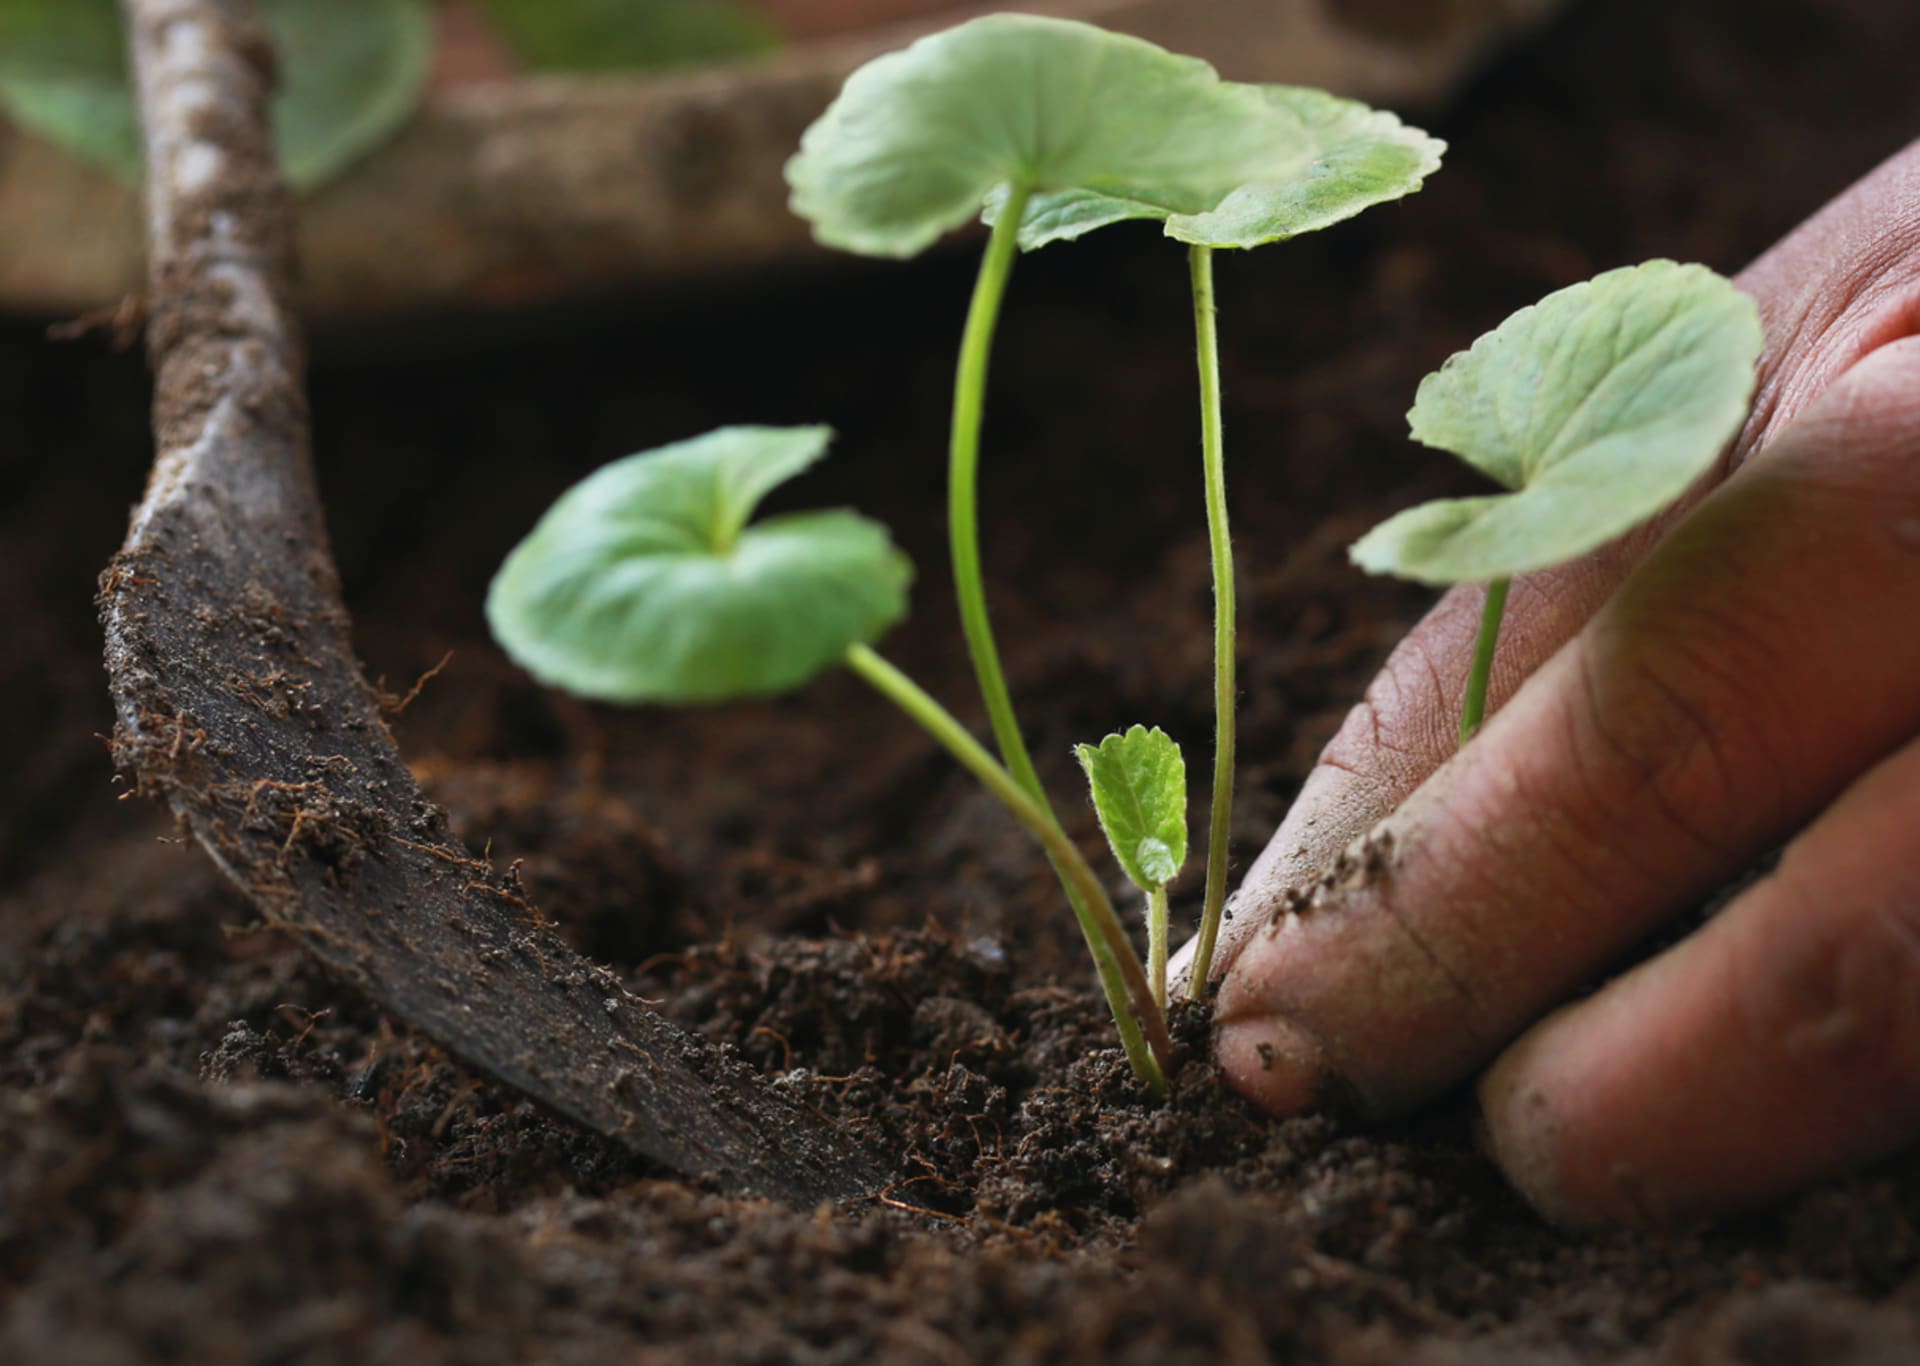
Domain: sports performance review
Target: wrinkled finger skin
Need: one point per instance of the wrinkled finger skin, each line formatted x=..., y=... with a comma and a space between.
x=1668, y=709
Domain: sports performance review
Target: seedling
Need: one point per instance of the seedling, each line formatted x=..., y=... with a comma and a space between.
x=1139, y=784
x=1049, y=129
x=1597, y=408
x=648, y=582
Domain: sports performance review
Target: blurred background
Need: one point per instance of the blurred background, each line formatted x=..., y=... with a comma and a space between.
x=494, y=151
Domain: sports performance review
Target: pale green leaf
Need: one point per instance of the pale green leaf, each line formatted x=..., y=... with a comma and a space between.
x=1599, y=406
x=1356, y=158
x=1099, y=127
x=352, y=72
x=1359, y=157
x=645, y=583
x=1139, y=784
x=628, y=35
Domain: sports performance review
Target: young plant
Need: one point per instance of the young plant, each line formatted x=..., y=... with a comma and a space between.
x=1363, y=157
x=1139, y=784
x=1597, y=408
x=648, y=582
x=1049, y=129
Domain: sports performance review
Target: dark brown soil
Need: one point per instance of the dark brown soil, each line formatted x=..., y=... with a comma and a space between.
x=212, y=1151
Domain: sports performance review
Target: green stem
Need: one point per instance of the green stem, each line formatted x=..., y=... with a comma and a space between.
x=1474, y=709
x=1213, y=459
x=963, y=470
x=1143, y=1028
x=963, y=535
x=1157, y=944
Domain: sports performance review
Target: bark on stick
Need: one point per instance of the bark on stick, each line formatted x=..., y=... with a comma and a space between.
x=240, y=703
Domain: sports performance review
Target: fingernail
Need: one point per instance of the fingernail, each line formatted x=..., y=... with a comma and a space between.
x=1272, y=1062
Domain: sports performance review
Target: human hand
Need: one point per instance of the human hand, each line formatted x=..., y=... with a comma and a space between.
x=1744, y=672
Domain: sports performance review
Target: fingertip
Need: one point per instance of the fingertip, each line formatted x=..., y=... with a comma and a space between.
x=1334, y=807
x=1590, y=1114
x=1271, y=1062
x=1519, y=1130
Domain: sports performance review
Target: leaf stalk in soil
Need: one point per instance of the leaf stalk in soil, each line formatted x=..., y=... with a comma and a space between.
x=1220, y=545
x=1143, y=1027
x=963, y=536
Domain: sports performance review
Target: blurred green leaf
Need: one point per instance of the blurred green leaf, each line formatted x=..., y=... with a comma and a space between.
x=63, y=74
x=352, y=72
x=645, y=583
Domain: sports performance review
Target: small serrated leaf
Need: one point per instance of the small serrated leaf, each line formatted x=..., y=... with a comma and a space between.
x=645, y=583
x=1599, y=407
x=1139, y=784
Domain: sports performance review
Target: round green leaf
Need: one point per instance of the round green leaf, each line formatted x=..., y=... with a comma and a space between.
x=1599, y=406
x=645, y=583
x=1099, y=127
x=352, y=71
x=1139, y=784
x=1351, y=159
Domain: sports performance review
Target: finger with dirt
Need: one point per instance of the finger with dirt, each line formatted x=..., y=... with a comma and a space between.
x=1828, y=293
x=1742, y=678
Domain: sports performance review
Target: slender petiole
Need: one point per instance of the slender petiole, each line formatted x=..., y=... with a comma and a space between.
x=1142, y=1024
x=1474, y=709
x=963, y=472
x=963, y=536
x=1213, y=459
x=1157, y=944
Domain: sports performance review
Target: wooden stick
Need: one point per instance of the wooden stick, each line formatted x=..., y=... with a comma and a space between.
x=240, y=703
